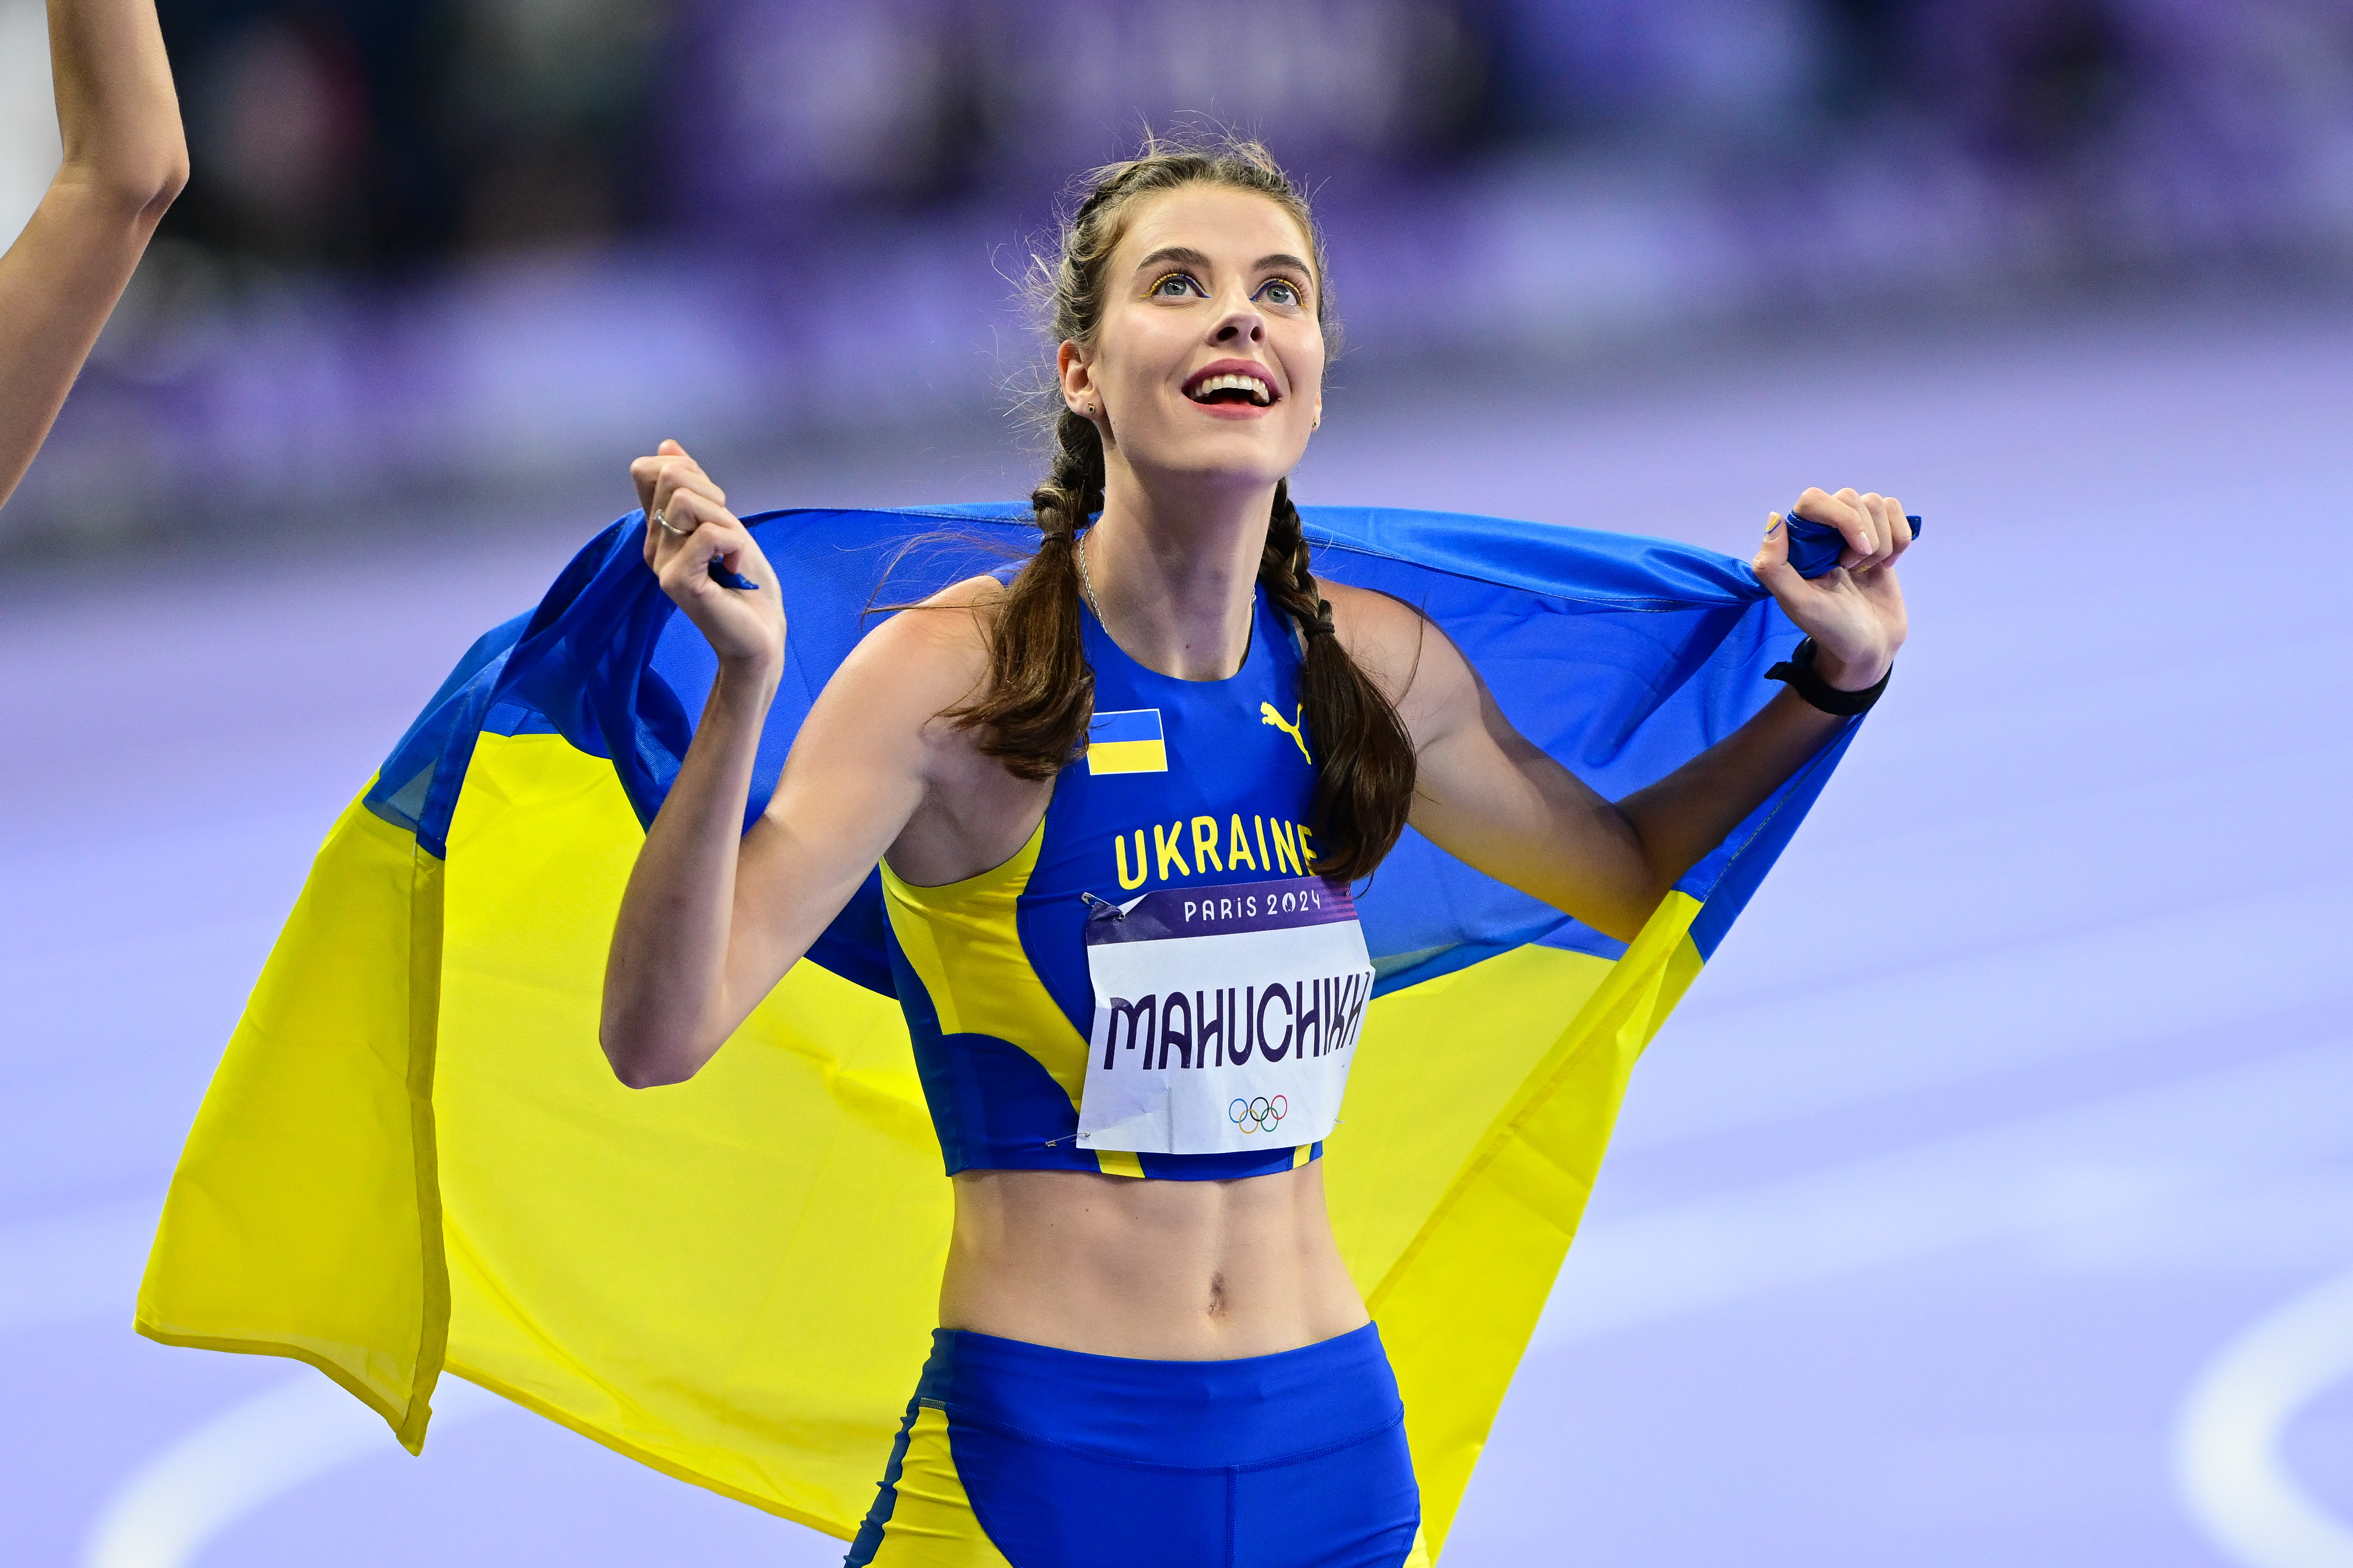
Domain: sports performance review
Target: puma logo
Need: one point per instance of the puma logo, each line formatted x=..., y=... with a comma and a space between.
x=1267, y=715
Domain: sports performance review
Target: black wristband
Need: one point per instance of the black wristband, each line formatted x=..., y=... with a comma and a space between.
x=1798, y=671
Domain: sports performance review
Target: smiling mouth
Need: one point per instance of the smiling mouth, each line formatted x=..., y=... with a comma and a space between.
x=1243, y=389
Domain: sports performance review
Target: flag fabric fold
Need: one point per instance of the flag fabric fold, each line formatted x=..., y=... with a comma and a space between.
x=414, y=1159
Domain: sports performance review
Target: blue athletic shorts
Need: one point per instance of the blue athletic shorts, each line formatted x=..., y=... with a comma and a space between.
x=1017, y=1456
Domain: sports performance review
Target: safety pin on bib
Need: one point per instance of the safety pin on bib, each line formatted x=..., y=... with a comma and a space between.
x=1098, y=907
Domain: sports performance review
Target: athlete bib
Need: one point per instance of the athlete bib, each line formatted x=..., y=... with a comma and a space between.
x=1225, y=1017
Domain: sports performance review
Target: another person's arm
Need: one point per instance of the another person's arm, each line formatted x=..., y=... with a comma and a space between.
x=1491, y=798
x=125, y=160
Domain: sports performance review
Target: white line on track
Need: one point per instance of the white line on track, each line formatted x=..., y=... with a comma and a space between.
x=2226, y=1449
x=165, y=1512
x=74, y=1267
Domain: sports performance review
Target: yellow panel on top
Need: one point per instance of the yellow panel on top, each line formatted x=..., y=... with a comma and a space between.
x=964, y=942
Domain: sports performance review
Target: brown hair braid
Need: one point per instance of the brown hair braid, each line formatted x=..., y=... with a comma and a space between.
x=1364, y=784
x=1033, y=709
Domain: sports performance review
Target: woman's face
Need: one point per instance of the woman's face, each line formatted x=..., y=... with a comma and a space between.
x=1208, y=362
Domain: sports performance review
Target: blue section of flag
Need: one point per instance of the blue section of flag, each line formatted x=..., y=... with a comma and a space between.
x=1133, y=724
x=1621, y=657
x=1815, y=547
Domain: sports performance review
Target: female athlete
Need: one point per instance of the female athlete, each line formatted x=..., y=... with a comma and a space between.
x=1149, y=1351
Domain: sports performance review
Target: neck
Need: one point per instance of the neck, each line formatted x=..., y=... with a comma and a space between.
x=1175, y=568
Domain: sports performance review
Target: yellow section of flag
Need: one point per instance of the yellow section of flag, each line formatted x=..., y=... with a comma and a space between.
x=415, y=1138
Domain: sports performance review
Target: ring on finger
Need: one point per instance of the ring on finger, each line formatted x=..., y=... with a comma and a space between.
x=663, y=523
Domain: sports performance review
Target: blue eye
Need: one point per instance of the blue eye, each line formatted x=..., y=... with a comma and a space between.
x=1282, y=290
x=1184, y=285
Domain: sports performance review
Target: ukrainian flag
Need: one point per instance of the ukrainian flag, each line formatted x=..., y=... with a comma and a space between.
x=414, y=1160
x=1128, y=742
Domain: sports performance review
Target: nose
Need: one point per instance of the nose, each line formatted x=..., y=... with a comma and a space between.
x=1242, y=324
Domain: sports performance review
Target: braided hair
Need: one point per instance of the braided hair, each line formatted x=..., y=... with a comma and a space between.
x=1031, y=711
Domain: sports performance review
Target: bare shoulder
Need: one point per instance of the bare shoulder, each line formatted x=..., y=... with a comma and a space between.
x=1414, y=662
x=940, y=644
x=904, y=674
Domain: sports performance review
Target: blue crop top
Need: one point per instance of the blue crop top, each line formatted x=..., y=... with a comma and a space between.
x=1184, y=783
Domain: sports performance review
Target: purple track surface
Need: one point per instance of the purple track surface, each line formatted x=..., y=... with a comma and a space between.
x=1984, y=1203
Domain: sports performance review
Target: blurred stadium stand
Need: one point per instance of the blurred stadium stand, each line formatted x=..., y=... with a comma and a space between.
x=459, y=247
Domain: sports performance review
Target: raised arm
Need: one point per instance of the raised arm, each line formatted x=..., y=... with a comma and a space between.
x=714, y=915
x=125, y=160
x=1491, y=797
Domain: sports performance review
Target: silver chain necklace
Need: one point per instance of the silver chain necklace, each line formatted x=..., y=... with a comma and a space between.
x=1088, y=583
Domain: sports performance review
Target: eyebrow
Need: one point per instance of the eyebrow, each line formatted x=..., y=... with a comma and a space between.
x=1185, y=255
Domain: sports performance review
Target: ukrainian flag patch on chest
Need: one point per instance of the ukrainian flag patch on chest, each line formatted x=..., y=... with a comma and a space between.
x=1129, y=742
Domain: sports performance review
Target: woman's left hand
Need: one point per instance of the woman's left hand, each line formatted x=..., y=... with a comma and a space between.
x=1854, y=612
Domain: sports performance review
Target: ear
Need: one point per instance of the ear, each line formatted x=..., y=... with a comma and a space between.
x=1074, y=366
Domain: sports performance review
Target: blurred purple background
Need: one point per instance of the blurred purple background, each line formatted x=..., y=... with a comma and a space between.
x=1992, y=1198
x=442, y=248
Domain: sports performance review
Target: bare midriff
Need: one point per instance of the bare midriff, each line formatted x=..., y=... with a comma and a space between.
x=1158, y=1270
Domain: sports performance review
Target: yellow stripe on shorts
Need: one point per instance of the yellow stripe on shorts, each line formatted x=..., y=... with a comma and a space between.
x=931, y=1524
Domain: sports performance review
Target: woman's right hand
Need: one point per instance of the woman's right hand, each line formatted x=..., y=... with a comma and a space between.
x=747, y=626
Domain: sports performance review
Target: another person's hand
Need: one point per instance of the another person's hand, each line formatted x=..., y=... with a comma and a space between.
x=689, y=526
x=1854, y=612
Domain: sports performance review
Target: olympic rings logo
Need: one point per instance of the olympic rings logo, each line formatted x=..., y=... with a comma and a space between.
x=1260, y=1115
